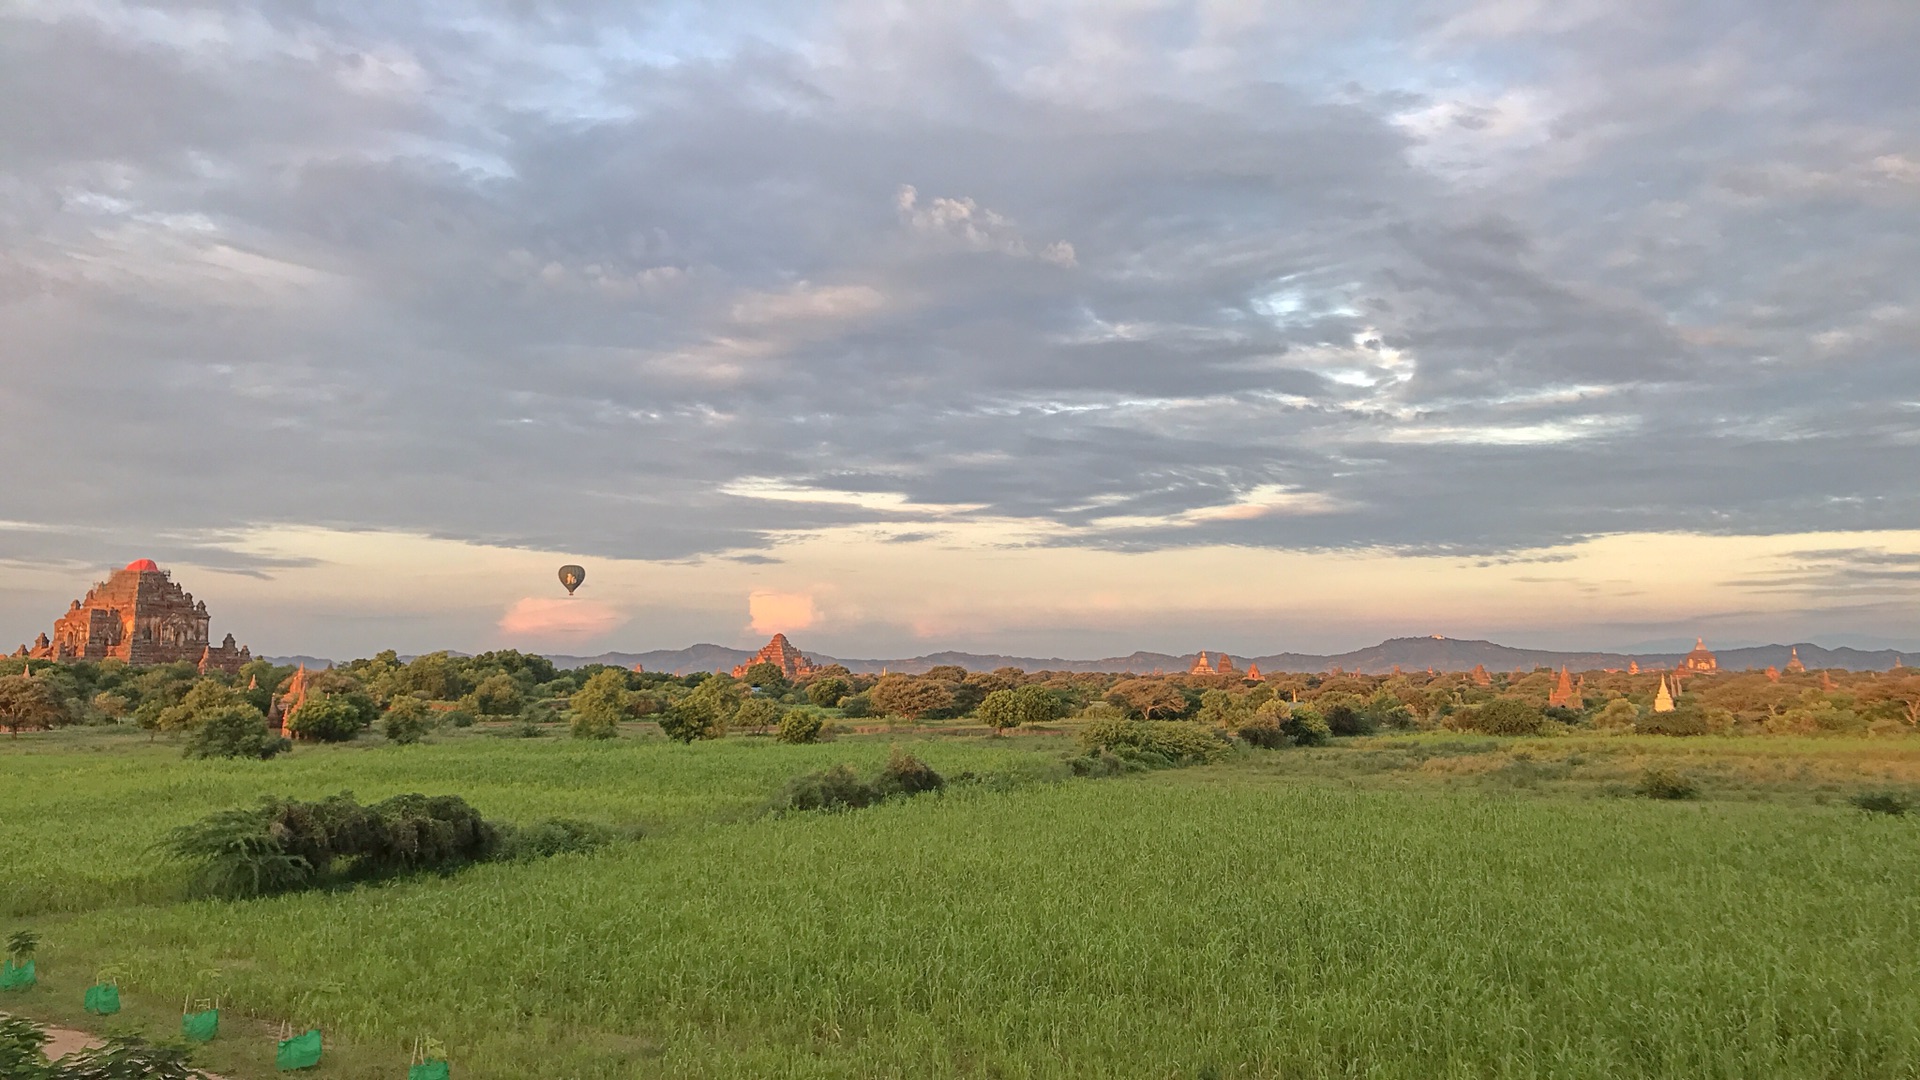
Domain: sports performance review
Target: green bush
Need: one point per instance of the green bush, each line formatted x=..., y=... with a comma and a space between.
x=1263, y=733
x=407, y=721
x=284, y=845
x=1306, y=727
x=20, y=1056
x=1665, y=783
x=554, y=836
x=1097, y=763
x=840, y=788
x=828, y=691
x=1509, y=716
x=856, y=707
x=1882, y=802
x=837, y=788
x=234, y=731
x=904, y=774
x=800, y=727
x=331, y=718
x=497, y=695
x=1683, y=720
x=459, y=718
x=1169, y=742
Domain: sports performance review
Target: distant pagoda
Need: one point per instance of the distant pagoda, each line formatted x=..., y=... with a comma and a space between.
x=780, y=653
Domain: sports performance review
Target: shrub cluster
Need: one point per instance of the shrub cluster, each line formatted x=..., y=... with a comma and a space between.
x=1161, y=743
x=800, y=726
x=235, y=731
x=285, y=845
x=1882, y=802
x=841, y=788
x=1666, y=783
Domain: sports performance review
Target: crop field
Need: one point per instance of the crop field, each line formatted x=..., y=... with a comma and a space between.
x=1387, y=907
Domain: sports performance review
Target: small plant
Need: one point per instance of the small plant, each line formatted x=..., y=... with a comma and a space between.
x=21, y=945
x=554, y=836
x=127, y=1058
x=905, y=774
x=20, y=1043
x=1664, y=783
x=1882, y=802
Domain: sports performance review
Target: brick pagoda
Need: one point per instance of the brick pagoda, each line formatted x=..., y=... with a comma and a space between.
x=780, y=653
x=140, y=616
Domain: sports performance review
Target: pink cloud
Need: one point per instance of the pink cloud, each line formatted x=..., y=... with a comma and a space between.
x=775, y=613
x=565, y=618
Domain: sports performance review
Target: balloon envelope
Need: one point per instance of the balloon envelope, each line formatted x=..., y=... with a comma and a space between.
x=571, y=576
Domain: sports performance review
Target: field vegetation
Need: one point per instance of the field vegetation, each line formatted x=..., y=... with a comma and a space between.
x=1323, y=876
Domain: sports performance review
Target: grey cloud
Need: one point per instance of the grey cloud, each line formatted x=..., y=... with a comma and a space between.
x=499, y=297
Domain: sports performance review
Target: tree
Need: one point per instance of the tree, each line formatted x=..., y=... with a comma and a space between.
x=906, y=696
x=1005, y=709
x=800, y=726
x=201, y=701
x=828, y=692
x=498, y=695
x=1151, y=698
x=702, y=714
x=234, y=731
x=1221, y=709
x=599, y=706
x=756, y=714
x=766, y=675
x=28, y=703
x=329, y=718
x=1510, y=716
x=407, y=721
x=437, y=675
x=952, y=673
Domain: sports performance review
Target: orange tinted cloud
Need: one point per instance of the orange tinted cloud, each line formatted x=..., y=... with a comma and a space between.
x=775, y=613
x=562, y=618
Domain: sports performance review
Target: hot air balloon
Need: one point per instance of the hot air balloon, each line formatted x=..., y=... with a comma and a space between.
x=571, y=576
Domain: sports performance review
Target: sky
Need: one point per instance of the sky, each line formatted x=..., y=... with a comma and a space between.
x=1049, y=327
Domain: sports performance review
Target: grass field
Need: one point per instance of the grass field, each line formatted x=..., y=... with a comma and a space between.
x=1403, y=907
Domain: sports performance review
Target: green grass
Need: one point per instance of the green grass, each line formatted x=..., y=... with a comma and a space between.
x=1286, y=914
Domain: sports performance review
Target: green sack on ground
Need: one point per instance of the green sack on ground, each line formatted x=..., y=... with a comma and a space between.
x=432, y=1070
x=201, y=1026
x=103, y=999
x=299, y=1052
x=17, y=976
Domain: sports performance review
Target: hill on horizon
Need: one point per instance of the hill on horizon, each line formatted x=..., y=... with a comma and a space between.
x=1406, y=653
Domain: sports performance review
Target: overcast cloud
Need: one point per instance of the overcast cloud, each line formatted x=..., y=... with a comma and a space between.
x=648, y=281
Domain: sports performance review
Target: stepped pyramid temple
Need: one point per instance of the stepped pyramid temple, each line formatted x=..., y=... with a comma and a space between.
x=140, y=616
x=1794, y=666
x=1253, y=673
x=780, y=653
x=1699, y=661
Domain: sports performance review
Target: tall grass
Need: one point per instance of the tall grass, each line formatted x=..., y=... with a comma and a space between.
x=80, y=819
x=1158, y=926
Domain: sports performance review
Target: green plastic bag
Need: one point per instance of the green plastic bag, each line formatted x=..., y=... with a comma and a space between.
x=201, y=1026
x=432, y=1070
x=17, y=976
x=299, y=1052
x=103, y=999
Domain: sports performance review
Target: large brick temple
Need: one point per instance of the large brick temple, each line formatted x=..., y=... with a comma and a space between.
x=140, y=616
x=780, y=652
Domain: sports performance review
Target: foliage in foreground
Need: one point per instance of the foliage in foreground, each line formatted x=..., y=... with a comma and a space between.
x=284, y=845
x=122, y=1058
x=840, y=788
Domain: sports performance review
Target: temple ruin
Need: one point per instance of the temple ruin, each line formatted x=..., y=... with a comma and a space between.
x=780, y=653
x=140, y=616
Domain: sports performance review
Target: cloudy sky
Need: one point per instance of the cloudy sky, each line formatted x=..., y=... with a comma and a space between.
x=1046, y=326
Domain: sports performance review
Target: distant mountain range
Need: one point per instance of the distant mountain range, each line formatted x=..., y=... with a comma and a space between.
x=1408, y=654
